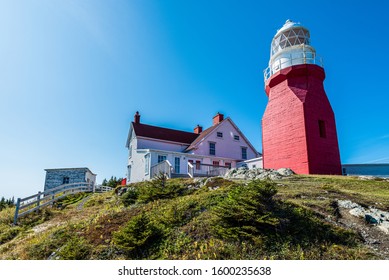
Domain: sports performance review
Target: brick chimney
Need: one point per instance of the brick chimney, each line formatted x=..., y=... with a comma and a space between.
x=198, y=129
x=218, y=118
x=137, y=117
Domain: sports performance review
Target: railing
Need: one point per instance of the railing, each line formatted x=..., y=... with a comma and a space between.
x=296, y=58
x=34, y=202
x=100, y=188
x=208, y=170
x=164, y=167
x=190, y=170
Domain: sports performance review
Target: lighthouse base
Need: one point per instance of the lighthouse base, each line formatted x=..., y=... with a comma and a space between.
x=298, y=126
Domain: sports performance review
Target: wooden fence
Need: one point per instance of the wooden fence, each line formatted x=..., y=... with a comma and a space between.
x=34, y=202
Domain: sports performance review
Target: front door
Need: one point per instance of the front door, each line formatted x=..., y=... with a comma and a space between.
x=177, y=165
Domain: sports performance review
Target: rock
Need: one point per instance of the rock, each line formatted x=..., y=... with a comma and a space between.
x=347, y=204
x=258, y=173
x=358, y=212
x=366, y=177
x=383, y=229
x=285, y=172
x=372, y=219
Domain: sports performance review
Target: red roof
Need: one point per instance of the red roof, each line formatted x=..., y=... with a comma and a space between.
x=162, y=133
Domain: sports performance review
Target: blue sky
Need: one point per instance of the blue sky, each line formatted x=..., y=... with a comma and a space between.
x=73, y=73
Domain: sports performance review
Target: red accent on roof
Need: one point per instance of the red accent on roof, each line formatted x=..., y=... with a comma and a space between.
x=162, y=133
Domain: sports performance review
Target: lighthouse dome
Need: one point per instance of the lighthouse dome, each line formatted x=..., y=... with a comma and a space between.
x=290, y=46
x=291, y=34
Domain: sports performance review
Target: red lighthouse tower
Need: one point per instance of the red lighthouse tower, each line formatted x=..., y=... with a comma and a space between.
x=298, y=127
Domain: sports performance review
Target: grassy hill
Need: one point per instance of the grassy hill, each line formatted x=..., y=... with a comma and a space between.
x=293, y=218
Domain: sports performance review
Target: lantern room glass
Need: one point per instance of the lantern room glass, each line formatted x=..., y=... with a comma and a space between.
x=288, y=38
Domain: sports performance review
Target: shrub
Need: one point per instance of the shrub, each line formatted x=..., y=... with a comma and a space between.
x=7, y=233
x=160, y=188
x=77, y=248
x=138, y=237
x=130, y=196
x=246, y=212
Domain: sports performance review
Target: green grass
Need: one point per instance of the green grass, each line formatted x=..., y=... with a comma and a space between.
x=184, y=219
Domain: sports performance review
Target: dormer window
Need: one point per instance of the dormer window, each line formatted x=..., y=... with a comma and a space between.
x=219, y=134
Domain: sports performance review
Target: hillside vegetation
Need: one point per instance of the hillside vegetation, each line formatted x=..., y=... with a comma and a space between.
x=293, y=218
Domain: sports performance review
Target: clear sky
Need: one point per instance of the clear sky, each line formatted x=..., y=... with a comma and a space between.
x=73, y=73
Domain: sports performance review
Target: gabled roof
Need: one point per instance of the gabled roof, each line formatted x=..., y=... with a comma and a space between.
x=201, y=136
x=161, y=133
x=208, y=131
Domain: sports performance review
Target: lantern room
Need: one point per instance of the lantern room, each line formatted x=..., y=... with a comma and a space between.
x=290, y=46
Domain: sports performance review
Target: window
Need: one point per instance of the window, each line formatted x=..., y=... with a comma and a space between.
x=161, y=158
x=228, y=164
x=147, y=163
x=322, y=129
x=177, y=165
x=244, y=153
x=212, y=148
x=65, y=180
x=198, y=165
x=219, y=134
x=129, y=173
x=130, y=152
x=215, y=163
x=236, y=137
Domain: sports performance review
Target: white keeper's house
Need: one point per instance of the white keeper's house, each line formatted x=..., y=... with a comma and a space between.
x=209, y=152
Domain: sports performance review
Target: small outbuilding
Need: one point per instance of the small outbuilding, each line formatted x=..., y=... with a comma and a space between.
x=61, y=176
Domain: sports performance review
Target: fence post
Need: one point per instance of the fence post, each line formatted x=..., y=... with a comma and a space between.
x=38, y=201
x=16, y=211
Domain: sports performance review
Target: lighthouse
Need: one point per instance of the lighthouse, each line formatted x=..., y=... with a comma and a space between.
x=298, y=126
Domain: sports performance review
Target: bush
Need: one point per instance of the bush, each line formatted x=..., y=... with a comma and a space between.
x=7, y=233
x=77, y=248
x=130, y=196
x=160, y=188
x=246, y=213
x=138, y=237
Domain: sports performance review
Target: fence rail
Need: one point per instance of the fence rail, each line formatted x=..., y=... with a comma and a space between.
x=34, y=202
x=206, y=170
x=163, y=167
x=100, y=188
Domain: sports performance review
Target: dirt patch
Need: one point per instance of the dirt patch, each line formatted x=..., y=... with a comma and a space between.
x=373, y=237
x=101, y=232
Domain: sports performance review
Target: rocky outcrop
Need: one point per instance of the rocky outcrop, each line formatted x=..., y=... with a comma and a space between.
x=258, y=173
x=371, y=214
